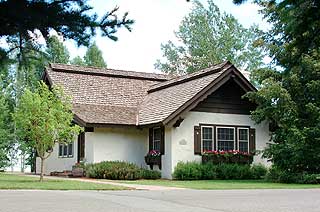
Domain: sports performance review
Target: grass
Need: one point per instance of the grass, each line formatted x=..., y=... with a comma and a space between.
x=11, y=181
x=222, y=184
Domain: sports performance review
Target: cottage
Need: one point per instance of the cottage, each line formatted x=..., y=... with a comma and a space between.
x=125, y=114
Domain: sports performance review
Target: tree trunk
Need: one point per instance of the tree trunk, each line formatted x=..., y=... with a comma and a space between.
x=42, y=169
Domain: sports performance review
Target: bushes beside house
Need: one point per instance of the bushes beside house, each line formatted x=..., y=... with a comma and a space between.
x=119, y=170
x=209, y=171
x=280, y=176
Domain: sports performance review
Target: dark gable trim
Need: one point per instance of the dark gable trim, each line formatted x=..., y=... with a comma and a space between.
x=46, y=78
x=79, y=121
x=213, y=86
x=226, y=99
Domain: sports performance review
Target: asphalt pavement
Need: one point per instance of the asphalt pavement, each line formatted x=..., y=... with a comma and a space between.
x=285, y=200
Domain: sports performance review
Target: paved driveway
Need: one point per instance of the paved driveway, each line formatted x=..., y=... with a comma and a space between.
x=173, y=200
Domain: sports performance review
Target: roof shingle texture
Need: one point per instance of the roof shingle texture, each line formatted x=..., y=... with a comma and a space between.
x=109, y=99
x=158, y=105
x=108, y=96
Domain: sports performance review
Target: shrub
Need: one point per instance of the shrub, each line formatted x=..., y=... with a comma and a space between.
x=150, y=174
x=258, y=171
x=224, y=171
x=280, y=176
x=234, y=172
x=188, y=171
x=209, y=171
x=113, y=170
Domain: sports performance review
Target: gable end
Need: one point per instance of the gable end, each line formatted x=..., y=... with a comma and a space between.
x=226, y=99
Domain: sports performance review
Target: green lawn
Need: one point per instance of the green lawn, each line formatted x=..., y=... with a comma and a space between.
x=222, y=184
x=11, y=181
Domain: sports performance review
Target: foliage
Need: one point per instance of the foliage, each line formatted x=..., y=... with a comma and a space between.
x=78, y=61
x=113, y=170
x=56, y=51
x=72, y=18
x=150, y=174
x=223, y=171
x=119, y=170
x=258, y=171
x=94, y=57
x=208, y=37
x=234, y=172
x=43, y=118
x=188, y=171
x=5, y=132
x=231, y=156
x=279, y=176
x=289, y=95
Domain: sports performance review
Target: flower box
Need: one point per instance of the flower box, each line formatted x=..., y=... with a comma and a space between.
x=218, y=157
x=153, y=158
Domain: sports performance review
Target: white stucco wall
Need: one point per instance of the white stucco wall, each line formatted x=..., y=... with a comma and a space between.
x=104, y=144
x=180, y=141
x=123, y=144
x=56, y=163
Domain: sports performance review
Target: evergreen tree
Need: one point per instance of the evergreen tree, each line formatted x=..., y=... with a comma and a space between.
x=93, y=57
x=209, y=37
x=290, y=98
x=56, y=51
x=72, y=18
x=78, y=61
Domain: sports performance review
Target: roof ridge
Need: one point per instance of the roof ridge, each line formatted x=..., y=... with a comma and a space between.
x=187, y=77
x=108, y=105
x=107, y=72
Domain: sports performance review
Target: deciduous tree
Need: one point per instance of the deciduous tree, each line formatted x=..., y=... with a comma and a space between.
x=207, y=37
x=44, y=118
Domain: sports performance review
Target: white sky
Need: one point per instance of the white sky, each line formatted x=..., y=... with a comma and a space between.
x=155, y=23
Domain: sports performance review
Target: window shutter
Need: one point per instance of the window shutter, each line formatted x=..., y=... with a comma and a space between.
x=197, y=140
x=252, y=140
x=150, y=139
x=162, y=141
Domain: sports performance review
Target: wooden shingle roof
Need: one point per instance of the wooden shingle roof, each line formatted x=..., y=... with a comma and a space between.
x=117, y=97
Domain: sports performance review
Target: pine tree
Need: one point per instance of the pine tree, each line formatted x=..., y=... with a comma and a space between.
x=93, y=57
x=289, y=96
x=56, y=51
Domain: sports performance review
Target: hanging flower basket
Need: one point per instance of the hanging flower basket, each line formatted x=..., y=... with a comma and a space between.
x=153, y=158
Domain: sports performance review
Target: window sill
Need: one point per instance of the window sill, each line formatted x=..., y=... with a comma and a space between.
x=71, y=156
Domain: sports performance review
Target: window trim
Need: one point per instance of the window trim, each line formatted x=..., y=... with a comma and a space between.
x=153, y=138
x=234, y=135
x=63, y=146
x=248, y=136
x=213, y=136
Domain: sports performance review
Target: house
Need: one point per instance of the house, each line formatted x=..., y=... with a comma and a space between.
x=125, y=114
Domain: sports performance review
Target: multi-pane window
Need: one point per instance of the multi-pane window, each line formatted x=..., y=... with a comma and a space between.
x=66, y=150
x=225, y=138
x=207, y=139
x=243, y=138
x=156, y=138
